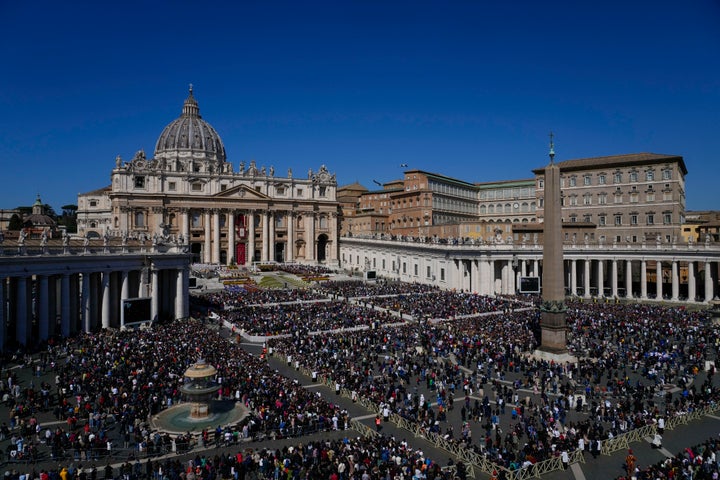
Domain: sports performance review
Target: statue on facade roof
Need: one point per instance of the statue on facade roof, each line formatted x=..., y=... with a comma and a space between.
x=22, y=237
x=118, y=161
x=44, y=238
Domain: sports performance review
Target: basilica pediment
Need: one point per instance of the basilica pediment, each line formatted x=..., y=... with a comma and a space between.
x=242, y=191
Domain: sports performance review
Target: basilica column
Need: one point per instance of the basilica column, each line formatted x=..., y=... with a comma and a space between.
x=643, y=279
x=65, y=301
x=333, y=250
x=216, y=236
x=708, y=282
x=573, y=277
x=251, y=237
x=628, y=279
x=310, y=236
x=43, y=307
x=586, y=279
x=290, y=251
x=124, y=294
x=658, y=280
x=692, y=293
x=265, y=237
x=272, y=218
x=207, y=250
x=601, y=278
x=231, y=251
x=185, y=212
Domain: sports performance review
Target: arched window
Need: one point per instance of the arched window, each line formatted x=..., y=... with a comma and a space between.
x=323, y=222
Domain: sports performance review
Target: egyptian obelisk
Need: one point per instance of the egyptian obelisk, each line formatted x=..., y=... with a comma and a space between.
x=552, y=324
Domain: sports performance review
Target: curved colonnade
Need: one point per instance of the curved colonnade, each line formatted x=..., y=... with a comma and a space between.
x=687, y=273
x=60, y=294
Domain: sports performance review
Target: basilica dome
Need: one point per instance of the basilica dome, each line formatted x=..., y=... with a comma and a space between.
x=190, y=136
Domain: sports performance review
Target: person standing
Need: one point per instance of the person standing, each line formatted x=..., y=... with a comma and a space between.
x=630, y=461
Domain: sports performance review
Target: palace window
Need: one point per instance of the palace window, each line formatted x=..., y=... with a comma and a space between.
x=571, y=181
x=650, y=175
x=586, y=180
x=650, y=219
x=633, y=176
x=633, y=219
x=667, y=218
x=601, y=179
x=667, y=174
x=618, y=219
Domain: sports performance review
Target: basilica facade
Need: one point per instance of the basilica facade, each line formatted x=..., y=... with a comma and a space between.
x=188, y=192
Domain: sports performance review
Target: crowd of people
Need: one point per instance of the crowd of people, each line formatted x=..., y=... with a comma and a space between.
x=628, y=355
x=448, y=367
x=700, y=462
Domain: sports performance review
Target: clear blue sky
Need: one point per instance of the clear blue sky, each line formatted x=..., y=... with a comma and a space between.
x=468, y=89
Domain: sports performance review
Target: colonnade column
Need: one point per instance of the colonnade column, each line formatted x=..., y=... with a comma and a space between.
x=124, y=294
x=643, y=279
x=691, y=282
x=523, y=268
x=658, y=280
x=231, y=238
x=628, y=279
x=601, y=278
x=155, y=294
x=708, y=282
x=586, y=279
x=536, y=268
x=675, y=282
x=290, y=250
x=573, y=277
x=43, y=308
x=105, y=299
x=86, y=302
x=65, y=305
x=216, y=237
x=614, y=278
x=491, y=275
x=266, y=235
x=207, y=253
x=251, y=237
x=2, y=311
x=180, y=293
x=23, y=322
